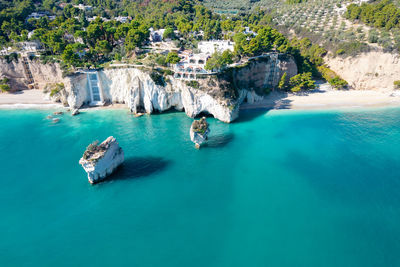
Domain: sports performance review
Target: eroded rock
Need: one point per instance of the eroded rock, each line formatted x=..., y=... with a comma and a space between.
x=75, y=112
x=199, y=131
x=100, y=160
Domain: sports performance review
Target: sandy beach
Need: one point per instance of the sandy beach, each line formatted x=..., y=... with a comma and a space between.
x=26, y=99
x=317, y=99
x=330, y=99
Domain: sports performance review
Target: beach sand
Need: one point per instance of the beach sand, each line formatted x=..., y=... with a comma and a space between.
x=317, y=99
x=26, y=99
x=330, y=99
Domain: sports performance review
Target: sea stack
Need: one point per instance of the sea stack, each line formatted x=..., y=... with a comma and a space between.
x=99, y=161
x=199, y=132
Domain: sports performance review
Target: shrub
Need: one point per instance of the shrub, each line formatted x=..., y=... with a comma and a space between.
x=302, y=81
x=11, y=57
x=157, y=78
x=194, y=84
x=4, y=87
x=332, y=78
x=373, y=36
x=396, y=84
x=161, y=60
x=353, y=48
x=283, y=82
x=340, y=52
x=56, y=89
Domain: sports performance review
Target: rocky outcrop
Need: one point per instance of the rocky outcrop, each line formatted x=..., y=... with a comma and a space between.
x=99, y=161
x=264, y=72
x=75, y=112
x=374, y=70
x=199, y=132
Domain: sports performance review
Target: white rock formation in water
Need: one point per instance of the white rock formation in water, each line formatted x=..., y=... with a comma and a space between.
x=199, y=131
x=99, y=161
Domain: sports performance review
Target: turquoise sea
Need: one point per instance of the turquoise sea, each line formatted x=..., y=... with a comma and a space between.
x=278, y=188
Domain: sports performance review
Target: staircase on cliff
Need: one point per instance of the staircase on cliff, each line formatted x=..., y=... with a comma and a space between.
x=94, y=88
x=273, y=70
x=28, y=73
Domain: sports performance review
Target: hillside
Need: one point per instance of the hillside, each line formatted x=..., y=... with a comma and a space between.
x=323, y=21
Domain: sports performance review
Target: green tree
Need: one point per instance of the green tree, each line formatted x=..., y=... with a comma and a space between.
x=283, y=82
x=169, y=33
x=103, y=47
x=219, y=60
x=172, y=58
x=302, y=81
x=69, y=56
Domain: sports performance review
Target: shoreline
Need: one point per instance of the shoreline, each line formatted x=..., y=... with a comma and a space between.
x=313, y=100
x=327, y=100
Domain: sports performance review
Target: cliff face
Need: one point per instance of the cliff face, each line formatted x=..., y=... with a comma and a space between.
x=264, y=72
x=135, y=88
x=42, y=73
x=219, y=95
x=368, y=71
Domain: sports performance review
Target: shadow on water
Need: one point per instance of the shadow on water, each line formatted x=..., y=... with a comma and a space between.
x=250, y=114
x=219, y=140
x=139, y=167
x=276, y=100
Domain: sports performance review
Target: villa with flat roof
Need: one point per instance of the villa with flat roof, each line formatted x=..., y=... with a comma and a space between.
x=209, y=47
x=191, y=66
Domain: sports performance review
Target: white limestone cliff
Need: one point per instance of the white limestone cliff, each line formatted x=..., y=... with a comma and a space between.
x=99, y=161
x=135, y=88
x=220, y=95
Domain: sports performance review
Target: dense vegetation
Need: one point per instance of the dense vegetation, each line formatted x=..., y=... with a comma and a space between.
x=71, y=39
x=384, y=14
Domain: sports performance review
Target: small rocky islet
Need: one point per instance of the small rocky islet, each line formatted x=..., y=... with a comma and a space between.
x=101, y=160
x=199, y=132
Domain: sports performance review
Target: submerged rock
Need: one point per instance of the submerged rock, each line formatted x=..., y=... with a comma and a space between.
x=199, y=131
x=99, y=161
x=58, y=113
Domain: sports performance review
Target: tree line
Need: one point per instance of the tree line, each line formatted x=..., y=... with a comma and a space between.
x=384, y=14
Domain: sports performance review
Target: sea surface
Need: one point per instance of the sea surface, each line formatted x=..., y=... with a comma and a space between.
x=277, y=188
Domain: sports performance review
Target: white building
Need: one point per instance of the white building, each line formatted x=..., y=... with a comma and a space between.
x=93, y=18
x=156, y=36
x=248, y=31
x=5, y=51
x=37, y=15
x=30, y=34
x=122, y=19
x=83, y=7
x=30, y=46
x=190, y=66
x=209, y=47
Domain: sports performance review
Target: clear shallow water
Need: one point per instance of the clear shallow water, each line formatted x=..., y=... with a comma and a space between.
x=275, y=189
